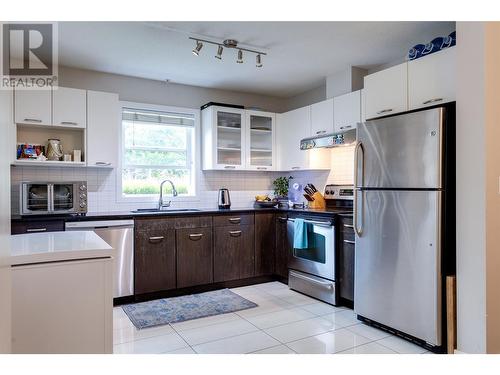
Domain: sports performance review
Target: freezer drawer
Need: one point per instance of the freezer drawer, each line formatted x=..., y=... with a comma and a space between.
x=401, y=152
x=398, y=261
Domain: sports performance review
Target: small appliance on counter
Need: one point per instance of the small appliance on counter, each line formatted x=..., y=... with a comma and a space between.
x=51, y=198
x=224, y=199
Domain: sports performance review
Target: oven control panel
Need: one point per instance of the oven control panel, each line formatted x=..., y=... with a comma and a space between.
x=345, y=192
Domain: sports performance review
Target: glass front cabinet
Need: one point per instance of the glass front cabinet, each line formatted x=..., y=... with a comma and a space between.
x=237, y=139
x=260, y=140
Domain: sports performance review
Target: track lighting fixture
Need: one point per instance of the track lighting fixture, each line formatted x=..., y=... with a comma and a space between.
x=258, y=61
x=198, y=47
x=228, y=43
x=219, y=52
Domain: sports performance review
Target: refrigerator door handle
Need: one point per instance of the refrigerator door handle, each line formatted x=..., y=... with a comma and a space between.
x=358, y=227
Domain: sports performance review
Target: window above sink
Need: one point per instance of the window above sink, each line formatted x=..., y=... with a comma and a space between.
x=157, y=143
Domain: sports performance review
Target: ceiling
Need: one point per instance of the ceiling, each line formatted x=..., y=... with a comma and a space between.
x=300, y=54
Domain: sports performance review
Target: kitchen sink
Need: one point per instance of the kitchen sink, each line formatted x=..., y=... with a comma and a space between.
x=146, y=210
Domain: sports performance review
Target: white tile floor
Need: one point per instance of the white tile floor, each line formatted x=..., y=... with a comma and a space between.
x=285, y=322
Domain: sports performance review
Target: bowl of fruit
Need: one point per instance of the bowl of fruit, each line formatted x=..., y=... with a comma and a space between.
x=263, y=201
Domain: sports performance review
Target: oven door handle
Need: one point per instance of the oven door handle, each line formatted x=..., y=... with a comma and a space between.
x=310, y=279
x=323, y=223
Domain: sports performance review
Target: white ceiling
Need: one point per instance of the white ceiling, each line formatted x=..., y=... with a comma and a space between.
x=300, y=54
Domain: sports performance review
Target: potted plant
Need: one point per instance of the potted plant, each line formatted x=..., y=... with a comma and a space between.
x=281, y=189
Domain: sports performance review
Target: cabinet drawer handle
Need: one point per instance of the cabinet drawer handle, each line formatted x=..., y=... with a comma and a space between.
x=321, y=132
x=345, y=127
x=229, y=167
x=282, y=219
x=432, y=101
x=195, y=236
x=34, y=230
x=235, y=233
x=349, y=226
x=262, y=168
x=234, y=220
x=32, y=120
x=102, y=163
x=384, y=111
x=68, y=123
x=156, y=239
x=295, y=167
x=350, y=242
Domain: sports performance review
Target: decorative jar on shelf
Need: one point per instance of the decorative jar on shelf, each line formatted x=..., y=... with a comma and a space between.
x=54, y=149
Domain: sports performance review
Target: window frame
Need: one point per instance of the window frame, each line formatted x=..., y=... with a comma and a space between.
x=195, y=165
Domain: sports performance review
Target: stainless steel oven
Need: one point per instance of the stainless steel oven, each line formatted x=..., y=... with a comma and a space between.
x=312, y=270
x=51, y=198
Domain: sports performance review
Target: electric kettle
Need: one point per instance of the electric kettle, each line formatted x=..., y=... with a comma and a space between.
x=224, y=199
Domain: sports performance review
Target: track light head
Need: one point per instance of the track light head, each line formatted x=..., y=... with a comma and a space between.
x=240, y=57
x=198, y=48
x=219, y=53
x=258, y=61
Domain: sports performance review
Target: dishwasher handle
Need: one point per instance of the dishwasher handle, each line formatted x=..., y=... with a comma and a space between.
x=99, y=224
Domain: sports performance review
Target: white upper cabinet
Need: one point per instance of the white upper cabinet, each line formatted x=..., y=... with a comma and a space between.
x=386, y=92
x=260, y=140
x=431, y=79
x=223, y=138
x=322, y=118
x=347, y=111
x=33, y=107
x=103, y=127
x=292, y=127
x=69, y=107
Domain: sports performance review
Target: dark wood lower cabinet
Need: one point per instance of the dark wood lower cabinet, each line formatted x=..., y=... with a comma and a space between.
x=282, y=246
x=154, y=260
x=345, y=259
x=234, y=252
x=265, y=243
x=194, y=257
x=37, y=226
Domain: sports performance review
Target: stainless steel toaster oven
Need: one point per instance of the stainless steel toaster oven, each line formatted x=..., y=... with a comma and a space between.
x=52, y=198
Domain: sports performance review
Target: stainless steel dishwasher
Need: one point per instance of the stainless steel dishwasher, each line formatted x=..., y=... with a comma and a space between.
x=119, y=234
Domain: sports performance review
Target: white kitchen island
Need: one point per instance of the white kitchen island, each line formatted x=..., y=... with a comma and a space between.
x=62, y=293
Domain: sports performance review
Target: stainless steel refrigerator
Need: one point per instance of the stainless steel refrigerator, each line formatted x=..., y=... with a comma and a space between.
x=404, y=196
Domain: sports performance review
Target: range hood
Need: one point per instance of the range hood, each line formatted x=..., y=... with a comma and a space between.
x=329, y=140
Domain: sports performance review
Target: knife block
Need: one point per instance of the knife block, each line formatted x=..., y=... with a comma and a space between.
x=319, y=202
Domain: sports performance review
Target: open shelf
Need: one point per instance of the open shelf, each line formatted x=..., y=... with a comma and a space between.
x=71, y=138
x=51, y=163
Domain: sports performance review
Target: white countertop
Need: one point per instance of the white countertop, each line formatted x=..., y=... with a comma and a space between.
x=57, y=246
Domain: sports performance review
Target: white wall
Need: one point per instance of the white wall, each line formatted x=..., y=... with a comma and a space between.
x=315, y=95
x=471, y=226
x=157, y=92
x=5, y=301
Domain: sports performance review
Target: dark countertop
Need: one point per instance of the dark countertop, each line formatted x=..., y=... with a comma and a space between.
x=121, y=215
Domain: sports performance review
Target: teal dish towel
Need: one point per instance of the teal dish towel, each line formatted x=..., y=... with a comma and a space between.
x=300, y=236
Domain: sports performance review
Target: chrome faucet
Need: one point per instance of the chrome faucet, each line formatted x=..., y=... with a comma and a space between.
x=174, y=194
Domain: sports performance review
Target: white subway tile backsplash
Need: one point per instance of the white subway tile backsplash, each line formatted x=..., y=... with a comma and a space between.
x=243, y=186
